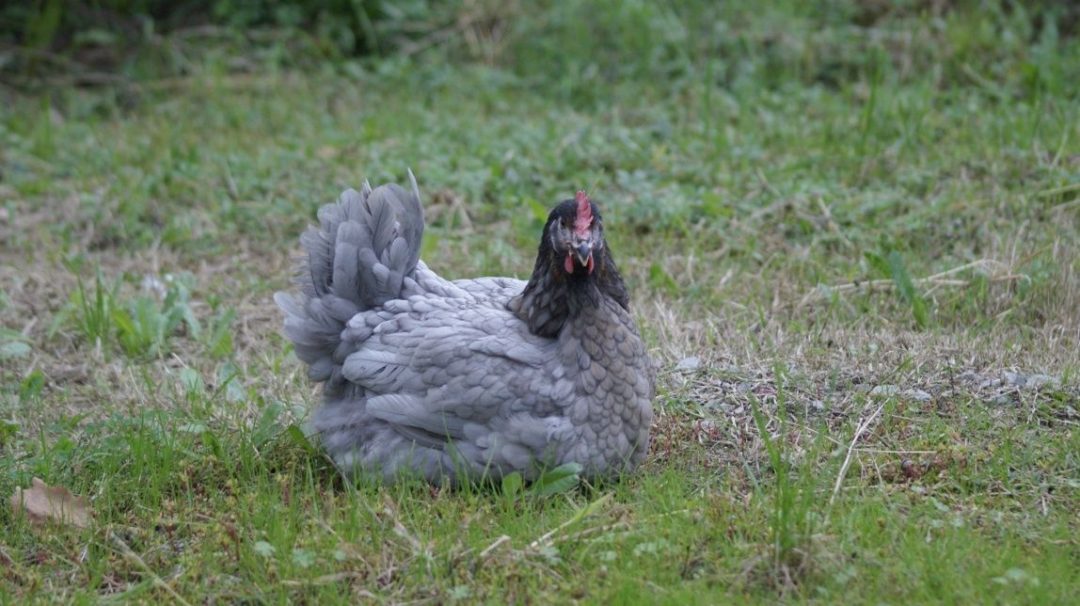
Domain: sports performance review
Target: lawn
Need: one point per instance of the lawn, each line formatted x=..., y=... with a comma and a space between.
x=851, y=235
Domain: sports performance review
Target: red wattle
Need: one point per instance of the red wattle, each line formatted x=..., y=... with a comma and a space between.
x=569, y=263
x=590, y=264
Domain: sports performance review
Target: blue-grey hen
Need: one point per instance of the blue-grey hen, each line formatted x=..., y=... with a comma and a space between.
x=458, y=380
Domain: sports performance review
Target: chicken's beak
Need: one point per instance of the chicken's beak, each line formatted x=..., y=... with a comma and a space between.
x=583, y=252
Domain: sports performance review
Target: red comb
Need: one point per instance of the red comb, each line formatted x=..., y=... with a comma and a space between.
x=583, y=220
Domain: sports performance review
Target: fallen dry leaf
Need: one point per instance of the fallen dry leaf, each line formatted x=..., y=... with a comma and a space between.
x=43, y=503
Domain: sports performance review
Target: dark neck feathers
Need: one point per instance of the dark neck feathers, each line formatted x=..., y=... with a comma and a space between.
x=553, y=296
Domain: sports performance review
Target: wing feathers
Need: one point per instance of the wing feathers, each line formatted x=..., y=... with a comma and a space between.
x=411, y=411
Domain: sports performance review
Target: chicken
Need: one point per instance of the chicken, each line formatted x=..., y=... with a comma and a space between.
x=454, y=381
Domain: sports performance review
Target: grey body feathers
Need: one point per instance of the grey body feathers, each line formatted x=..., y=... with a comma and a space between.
x=429, y=377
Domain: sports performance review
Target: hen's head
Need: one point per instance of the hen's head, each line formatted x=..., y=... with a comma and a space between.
x=573, y=270
x=576, y=235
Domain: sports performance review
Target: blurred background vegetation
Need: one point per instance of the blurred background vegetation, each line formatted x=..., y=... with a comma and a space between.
x=932, y=129
x=575, y=44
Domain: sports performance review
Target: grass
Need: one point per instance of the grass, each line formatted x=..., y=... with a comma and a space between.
x=853, y=252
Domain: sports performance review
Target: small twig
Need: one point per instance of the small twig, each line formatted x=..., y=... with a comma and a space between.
x=546, y=537
x=886, y=451
x=980, y=263
x=986, y=84
x=931, y=283
x=1064, y=205
x=768, y=186
x=134, y=558
x=1059, y=191
x=863, y=426
x=581, y=514
x=588, y=532
x=499, y=541
x=414, y=543
x=831, y=223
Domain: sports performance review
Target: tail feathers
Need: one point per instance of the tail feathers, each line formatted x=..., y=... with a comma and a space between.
x=365, y=244
x=358, y=258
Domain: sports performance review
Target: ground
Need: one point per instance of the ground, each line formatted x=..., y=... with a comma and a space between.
x=852, y=250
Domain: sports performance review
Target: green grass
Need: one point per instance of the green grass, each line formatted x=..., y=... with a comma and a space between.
x=861, y=225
